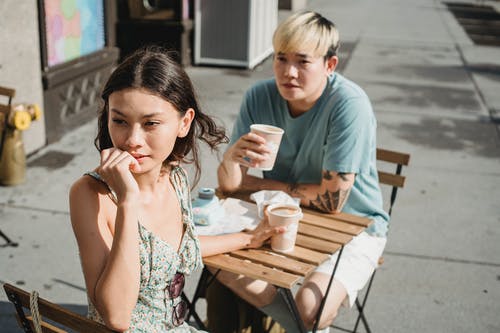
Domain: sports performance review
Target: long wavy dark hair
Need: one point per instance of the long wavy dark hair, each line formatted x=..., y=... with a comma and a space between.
x=154, y=69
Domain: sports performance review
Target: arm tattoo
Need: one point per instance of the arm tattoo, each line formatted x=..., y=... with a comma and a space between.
x=330, y=201
x=327, y=175
x=293, y=188
x=342, y=176
x=343, y=195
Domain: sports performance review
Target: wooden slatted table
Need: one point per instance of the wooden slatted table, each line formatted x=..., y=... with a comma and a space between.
x=319, y=235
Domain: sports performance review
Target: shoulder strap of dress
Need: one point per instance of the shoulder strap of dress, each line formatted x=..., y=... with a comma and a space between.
x=181, y=180
x=98, y=177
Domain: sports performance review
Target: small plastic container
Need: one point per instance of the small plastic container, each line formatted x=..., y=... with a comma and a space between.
x=206, y=207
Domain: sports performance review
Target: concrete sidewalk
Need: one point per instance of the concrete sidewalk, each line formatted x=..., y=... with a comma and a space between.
x=436, y=96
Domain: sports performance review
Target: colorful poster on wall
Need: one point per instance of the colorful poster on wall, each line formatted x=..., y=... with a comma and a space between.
x=73, y=28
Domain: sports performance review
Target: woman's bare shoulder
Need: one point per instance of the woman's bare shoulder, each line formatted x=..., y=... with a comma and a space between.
x=89, y=197
x=87, y=185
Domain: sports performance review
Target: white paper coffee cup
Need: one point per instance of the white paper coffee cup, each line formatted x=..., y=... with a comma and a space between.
x=286, y=215
x=272, y=135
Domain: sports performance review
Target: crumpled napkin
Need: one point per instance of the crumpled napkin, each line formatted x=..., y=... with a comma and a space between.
x=265, y=198
x=238, y=215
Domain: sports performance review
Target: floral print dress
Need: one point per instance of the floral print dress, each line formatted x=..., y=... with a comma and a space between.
x=153, y=312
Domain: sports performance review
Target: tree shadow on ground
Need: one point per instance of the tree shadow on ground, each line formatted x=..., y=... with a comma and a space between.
x=477, y=137
x=425, y=96
x=52, y=160
x=438, y=73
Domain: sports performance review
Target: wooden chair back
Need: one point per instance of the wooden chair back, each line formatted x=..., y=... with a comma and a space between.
x=4, y=109
x=9, y=94
x=389, y=166
x=53, y=318
x=395, y=179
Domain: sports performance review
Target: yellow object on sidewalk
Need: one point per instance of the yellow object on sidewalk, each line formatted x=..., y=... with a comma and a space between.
x=21, y=120
x=13, y=159
x=13, y=120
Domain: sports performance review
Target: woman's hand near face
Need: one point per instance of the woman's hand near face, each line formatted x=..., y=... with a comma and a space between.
x=116, y=169
x=249, y=150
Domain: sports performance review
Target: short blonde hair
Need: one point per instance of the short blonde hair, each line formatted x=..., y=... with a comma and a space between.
x=307, y=31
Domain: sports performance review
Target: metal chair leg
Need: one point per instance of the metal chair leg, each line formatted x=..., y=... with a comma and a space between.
x=193, y=313
x=287, y=297
x=361, y=307
x=8, y=241
x=323, y=301
x=361, y=318
x=204, y=281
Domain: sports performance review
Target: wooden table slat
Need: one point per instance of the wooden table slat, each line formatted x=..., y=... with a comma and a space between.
x=276, y=260
x=329, y=223
x=359, y=220
x=319, y=235
x=317, y=244
x=252, y=270
x=322, y=233
x=307, y=255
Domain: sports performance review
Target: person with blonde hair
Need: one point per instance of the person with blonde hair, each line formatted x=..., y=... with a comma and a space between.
x=327, y=158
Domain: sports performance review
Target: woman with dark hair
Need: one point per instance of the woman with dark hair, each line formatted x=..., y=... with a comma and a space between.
x=132, y=215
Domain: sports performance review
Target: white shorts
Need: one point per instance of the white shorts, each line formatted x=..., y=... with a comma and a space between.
x=357, y=263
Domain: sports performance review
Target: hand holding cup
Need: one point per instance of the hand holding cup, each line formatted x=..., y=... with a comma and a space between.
x=258, y=148
x=272, y=135
x=285, y=215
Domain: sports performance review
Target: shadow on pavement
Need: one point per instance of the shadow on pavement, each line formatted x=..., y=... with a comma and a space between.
x=477, y=137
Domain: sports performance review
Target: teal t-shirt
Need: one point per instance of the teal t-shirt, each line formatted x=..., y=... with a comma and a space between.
x=338, y=134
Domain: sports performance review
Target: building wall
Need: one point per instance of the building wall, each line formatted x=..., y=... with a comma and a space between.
x=20, y=66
